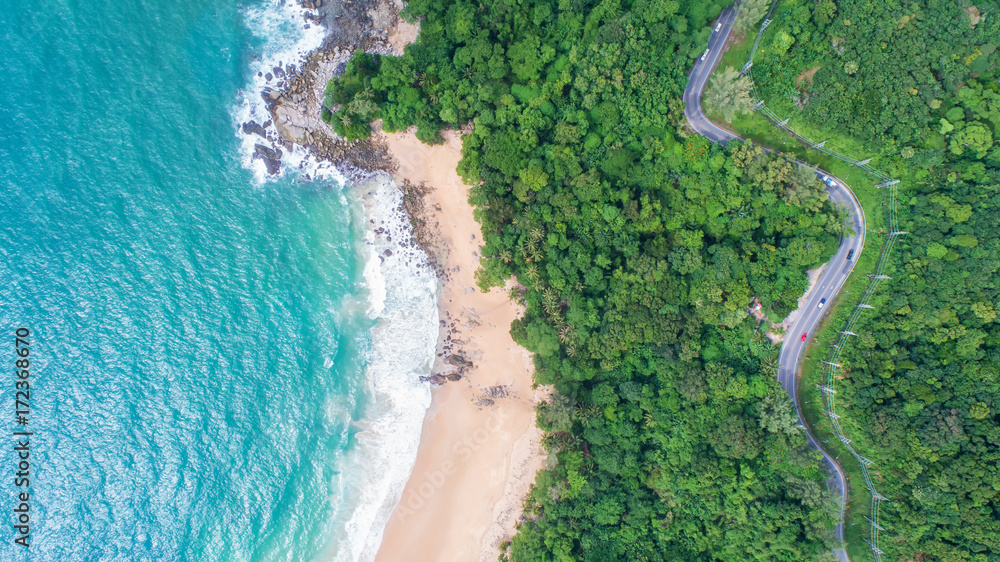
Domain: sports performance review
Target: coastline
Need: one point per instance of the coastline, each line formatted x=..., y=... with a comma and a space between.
x=307, y=43
x=479, y=447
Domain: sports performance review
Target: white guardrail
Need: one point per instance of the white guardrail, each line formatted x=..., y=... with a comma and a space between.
x=828, y=380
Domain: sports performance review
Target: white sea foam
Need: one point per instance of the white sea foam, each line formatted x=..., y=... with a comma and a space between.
x=375, y=281
x=401, y=291
x=403, y=295
x=282, y=26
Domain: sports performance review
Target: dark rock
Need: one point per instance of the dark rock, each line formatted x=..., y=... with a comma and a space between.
x=387, y=253
x=278, y=71
x=484, y=402
x=251, y=127
x=435, y=379
x=454, y=377
x=495, y=392
x=270, y=97
x=270, y=156
x=459, y=361
x=262, y=151
x=268, y=76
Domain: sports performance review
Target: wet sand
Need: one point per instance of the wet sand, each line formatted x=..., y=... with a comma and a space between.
x=479, y=449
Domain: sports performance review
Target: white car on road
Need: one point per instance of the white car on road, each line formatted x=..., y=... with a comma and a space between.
x=826, y=179
x=718, y=26
x=705, y=56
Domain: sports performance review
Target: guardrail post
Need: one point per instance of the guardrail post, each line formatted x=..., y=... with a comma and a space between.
x=875, y=549
x=874, y=524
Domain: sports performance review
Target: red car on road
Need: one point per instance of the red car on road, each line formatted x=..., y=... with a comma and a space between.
x=803, y=337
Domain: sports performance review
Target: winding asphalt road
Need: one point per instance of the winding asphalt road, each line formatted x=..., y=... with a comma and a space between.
x=834, y=274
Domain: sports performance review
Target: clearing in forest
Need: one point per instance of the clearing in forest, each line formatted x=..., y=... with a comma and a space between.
x=807, y=75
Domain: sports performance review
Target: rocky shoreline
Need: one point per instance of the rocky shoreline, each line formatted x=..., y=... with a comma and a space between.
x=294, y=93
x=294, y=100
x=483, y=380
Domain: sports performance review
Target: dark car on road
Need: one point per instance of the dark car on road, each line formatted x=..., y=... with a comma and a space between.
x=850, y=254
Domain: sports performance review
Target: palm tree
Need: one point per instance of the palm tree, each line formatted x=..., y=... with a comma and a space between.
x=588, y=411
x=517, y=294
x=532, y=272
x=529, y=249
x=549, y=299
x=566, y=334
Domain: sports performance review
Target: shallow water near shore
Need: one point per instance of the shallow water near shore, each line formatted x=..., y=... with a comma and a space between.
x=214, y=362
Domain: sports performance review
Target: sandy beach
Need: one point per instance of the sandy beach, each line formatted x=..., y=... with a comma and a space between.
x=479, y=449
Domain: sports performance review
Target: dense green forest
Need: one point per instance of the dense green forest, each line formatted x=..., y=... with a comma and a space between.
x=884, y=72
x=639, y=250
x=917, y=83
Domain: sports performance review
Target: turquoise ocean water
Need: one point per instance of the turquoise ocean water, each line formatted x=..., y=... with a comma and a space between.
x=219, y=365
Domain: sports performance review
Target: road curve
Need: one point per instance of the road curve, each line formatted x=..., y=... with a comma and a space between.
x=834, y=274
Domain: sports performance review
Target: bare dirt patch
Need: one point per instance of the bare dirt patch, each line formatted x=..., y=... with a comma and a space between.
x=807, y=75
x=974, y=16
x=776, y=332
